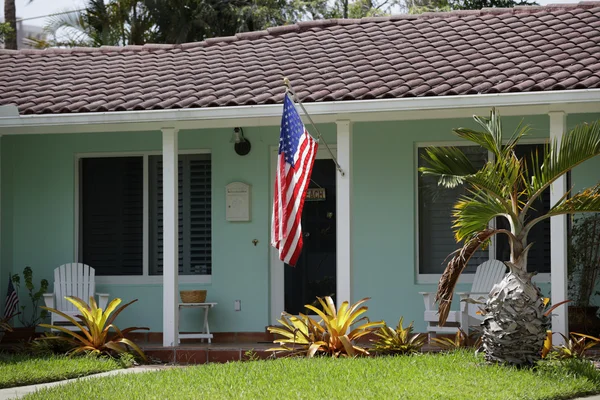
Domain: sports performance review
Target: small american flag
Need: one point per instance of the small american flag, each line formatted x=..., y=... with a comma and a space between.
x=12, y=300
x=297, y=150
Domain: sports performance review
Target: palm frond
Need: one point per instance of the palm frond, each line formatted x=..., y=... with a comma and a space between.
x=473, y=213
x=587, y=201
x=499, y=178
x=520, y=131
x=576, y=146
x=455, y=267
x=71, y=25
x=449, y=164
x=491, y=136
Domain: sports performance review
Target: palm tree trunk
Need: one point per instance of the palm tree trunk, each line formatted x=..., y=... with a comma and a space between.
x=10, y=16
x=514, y=326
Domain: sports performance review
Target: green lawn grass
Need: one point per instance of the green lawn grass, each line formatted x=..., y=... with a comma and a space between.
x=22, y=370
x=459, y=375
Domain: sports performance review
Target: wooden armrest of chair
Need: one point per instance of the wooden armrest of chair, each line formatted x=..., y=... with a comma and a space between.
x=429, y=298
x=478, y=296
x=464, y=295
x=102, y=300
x=49, y=300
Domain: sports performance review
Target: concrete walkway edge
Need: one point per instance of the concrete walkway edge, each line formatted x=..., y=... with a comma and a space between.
x=20, y=391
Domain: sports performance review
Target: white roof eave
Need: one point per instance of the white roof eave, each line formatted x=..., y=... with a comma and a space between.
x=530, y=103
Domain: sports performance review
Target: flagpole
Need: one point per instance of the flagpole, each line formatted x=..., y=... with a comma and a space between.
x=288, y=86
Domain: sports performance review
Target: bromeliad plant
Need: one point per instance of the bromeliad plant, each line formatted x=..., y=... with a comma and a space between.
x=332, y=336
x=94, y=325
x=514, y=326
x=574, y=347
x=400, y=340
x=460, y=340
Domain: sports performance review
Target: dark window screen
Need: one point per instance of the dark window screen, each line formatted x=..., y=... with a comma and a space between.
x=111, y=220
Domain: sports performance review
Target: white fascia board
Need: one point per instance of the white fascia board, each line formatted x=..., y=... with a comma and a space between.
x=581, y=101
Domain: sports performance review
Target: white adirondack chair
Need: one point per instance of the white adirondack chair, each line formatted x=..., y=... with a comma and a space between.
x=75, y=279
x=486, y=276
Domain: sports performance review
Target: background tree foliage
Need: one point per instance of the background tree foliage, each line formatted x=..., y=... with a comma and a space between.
x=5, y=30
x=125, y=22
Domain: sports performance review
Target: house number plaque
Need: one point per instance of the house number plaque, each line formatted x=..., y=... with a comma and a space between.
x=316, y=194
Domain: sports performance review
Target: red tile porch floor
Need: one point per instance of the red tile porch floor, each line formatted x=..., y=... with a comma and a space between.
x=224, y=348
x=228, y=346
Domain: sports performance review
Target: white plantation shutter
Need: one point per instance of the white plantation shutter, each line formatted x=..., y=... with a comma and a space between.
x=199, y=216
x=436, y=239
x=195, y=247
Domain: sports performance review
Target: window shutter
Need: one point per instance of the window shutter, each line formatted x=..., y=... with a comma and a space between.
x=111, y=217
x=200, y=213
x=436, y=238
x=194, y=215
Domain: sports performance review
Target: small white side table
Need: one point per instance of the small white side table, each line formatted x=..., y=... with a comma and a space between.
x=205, y=329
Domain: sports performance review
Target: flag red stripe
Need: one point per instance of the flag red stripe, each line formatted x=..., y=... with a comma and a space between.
x=296, y=201
x=296, y=156
x=293, y=234
x=12, y=301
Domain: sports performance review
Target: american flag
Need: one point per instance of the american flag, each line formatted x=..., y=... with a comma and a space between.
x=12, y=300
x=297, y=150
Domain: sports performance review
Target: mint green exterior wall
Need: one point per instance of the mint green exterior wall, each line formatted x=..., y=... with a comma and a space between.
x=38, y=215
x=38, y=219
x=384, y=202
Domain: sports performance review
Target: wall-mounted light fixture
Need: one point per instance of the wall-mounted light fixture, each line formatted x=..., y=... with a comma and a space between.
x=242, y=145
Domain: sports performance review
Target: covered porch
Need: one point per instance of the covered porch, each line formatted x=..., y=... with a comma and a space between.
x=377, y=224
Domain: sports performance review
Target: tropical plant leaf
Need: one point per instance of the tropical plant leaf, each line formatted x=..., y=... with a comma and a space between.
x=398, y=341
x=473, y=214
x=330, y=335
x=68, y=318
x=576, y=146
x=97, y=324
x=574, y=347
x=134, y=346
x=585, y=201
x=448, y=164
x=116, y=313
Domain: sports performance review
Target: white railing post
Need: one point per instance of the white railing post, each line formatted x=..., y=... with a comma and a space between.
x=170, y=237
x=558, y=240
x=344, y=212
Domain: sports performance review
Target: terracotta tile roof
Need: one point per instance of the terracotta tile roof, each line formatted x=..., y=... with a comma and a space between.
x=556, y=47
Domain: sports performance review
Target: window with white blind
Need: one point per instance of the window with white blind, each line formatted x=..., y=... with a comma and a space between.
x=435, y=236
x=436, y=239
x=194, y=215
x=117, y=218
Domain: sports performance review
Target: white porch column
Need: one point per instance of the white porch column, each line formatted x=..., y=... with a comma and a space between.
x=344, y=212
x=558, y=239
x=170, y=237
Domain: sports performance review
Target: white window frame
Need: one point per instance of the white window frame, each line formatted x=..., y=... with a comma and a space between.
x=465, y=277
x=145, y=278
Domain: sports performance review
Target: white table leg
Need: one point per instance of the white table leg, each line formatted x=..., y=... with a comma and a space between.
x=179, y=325
x=206, y=328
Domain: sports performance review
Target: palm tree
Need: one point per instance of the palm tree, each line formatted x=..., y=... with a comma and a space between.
x=114, y=23
x=10, y=16
x=514, y=324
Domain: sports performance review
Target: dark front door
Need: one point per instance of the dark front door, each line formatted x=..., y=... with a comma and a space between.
x=315, y=273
